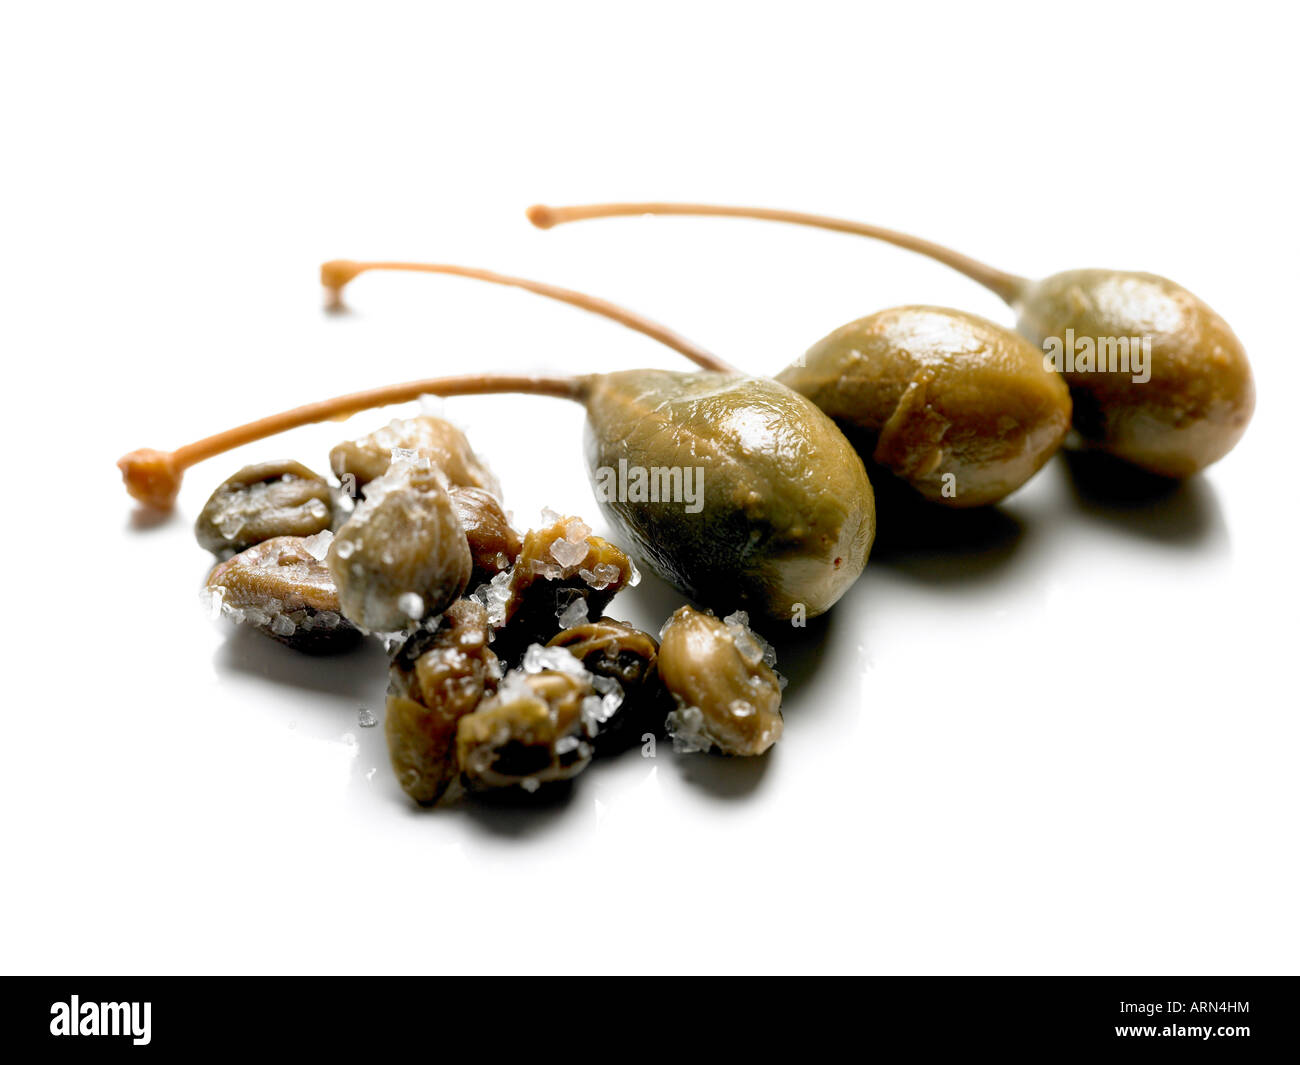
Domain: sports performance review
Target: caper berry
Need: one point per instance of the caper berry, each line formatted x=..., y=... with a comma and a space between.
x=720, y=675
x=283, y=589
x=952, y=404
x=444, y=445
x=435, y=679
x=531, y=732
x=402, y=556
x=259, y=502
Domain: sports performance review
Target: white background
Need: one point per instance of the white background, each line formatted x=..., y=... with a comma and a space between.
x=1067, y=744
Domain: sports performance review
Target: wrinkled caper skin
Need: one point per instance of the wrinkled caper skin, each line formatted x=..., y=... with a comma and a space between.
x=436, y=439
x=282, y=590
x=435, y=679
x=259, y=502
x=959, y=408
x=724, y=699
x=788, y=515
x=620, y=652
x=1201, y=393
x=403, y=539
x=528, y=734
x=541, y=587
x=493, y=543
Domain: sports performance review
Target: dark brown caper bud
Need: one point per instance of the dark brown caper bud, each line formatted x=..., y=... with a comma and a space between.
x=402, y=556
x=435, y=679
x=493, y=543
x=535, y=730
x=622, y=661
x=720, y=675
x=563, y=576
x=283, y=589
x=263, y=501
x=445, y=446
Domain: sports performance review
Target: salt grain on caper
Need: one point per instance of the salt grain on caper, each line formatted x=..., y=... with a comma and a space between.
x=436, y=439
x=402, y=556
x=493, y=543
x=263, y=501
x=535, y=730
x=621, y=660
x=720, y=676
x=435, y=679
x=563, y=576
x=283, y=589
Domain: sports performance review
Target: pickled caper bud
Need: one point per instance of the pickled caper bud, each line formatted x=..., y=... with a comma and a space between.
x=622, y=661
x=435, y=679
x=402, y=556
x=720, y=675
x=493, y=543
x=283, y=589
x=531, y=732
x=563, y=576
x=436, y=439
x=261, y=502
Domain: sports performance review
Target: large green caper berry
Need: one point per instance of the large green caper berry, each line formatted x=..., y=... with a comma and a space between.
x=1200, y=393
x=782, y=515
x=959, y=408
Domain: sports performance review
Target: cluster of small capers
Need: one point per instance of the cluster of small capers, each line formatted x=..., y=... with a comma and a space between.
x=506, y=672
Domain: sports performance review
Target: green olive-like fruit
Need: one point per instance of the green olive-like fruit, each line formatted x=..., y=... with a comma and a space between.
x=1199, y=395
x=956, y=406
x=737, y=490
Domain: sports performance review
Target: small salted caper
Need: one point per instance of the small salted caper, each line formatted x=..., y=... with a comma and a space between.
x=959, y=408
x=435, y=679
x=493, y=543
x=563, y=576
x=444, y=445
x=720, y=675
x=402, y=555
x=283, y=589
x=623, y=658
x=263, y=501
x=531, y=732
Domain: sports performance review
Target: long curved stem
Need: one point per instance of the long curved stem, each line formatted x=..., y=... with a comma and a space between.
x=336, y=274
x=154, y=477
x=1007, y=286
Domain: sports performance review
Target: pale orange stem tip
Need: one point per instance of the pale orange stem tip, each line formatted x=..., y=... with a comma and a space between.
x=152, y=477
